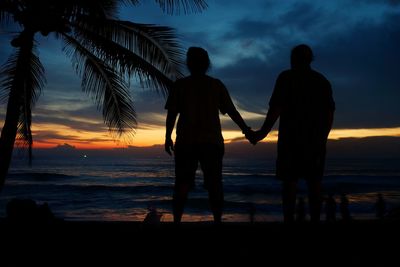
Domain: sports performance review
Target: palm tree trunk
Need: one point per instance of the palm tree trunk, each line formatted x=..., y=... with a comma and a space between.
x=15, y=100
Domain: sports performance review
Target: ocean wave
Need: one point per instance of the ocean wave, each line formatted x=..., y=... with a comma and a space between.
x=251, y=189
x=39, y=176
x=88, y=189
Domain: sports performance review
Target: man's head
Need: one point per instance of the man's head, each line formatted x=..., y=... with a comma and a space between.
x=197, y=60
x=301, y=56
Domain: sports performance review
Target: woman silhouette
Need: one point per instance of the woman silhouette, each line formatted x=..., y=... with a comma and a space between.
x=198, y=99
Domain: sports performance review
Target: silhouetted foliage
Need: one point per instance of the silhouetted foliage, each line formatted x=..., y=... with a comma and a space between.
x=105, y=52
x=28, y=211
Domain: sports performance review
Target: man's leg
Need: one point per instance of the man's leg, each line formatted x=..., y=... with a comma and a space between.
x=314, y=199
x=181, y=192
x=289, y=190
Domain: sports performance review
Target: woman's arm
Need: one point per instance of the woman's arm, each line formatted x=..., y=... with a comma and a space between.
x=237, y=118
x=169, y=125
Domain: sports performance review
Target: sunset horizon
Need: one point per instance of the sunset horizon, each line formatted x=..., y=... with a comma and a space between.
x=148, y=138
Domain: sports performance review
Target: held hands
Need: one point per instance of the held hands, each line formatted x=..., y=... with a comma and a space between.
x=169, y=145
x=255, y=136
x=250, y=135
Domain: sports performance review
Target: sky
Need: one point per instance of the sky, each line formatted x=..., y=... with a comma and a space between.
x=356, y=45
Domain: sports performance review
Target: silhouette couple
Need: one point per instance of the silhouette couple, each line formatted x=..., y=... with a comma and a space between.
x=302, y=99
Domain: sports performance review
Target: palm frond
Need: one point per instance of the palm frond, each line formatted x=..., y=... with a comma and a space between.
x=129, y=63
x=125, y=60
x=176, y=6
x=7, y=9
x=26, y=70
x=5, y=18
x=105, y=85
x=132, y=2
x=35, y=81
x=7, y=75
x=157, y=45
x=32, y=75
x=96, y=8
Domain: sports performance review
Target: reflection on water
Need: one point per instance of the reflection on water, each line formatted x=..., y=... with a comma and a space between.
x=122, y=190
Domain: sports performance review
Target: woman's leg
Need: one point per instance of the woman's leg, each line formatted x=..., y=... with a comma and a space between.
x=289, y=190
x=185, y=172
x=216, y=200
x=211, y=165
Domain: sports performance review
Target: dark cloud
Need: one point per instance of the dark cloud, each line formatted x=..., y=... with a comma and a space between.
x=301, y=16
x=300, y=19
x=389, y=2
x=149, y=106
x=250, y=81
x=363, y=66
x=361, y=63
x=44, y=136
x=84, y=119
x=250, y=28
x=47, y=135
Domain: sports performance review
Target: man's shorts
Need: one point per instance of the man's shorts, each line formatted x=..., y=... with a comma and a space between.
x=187, y=158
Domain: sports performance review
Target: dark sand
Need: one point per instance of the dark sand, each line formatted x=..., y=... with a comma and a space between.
x=62, y=243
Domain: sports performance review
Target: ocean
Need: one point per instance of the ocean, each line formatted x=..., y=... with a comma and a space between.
x=112, y=189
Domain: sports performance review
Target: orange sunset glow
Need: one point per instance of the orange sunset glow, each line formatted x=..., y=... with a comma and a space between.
x=153, y=135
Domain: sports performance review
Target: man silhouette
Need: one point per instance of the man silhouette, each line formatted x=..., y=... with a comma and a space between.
x=198, y=99
x=302, y=99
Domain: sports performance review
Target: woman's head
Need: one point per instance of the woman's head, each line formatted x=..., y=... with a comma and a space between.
x=197, y=60
x=301, y=56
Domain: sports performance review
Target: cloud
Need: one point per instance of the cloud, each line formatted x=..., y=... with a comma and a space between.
x=361, y=62
x=355, y=42
x=389, y=2
x=51, y=135
x=65, y=147
x=394, y=2
x=77, y=119
x=250, y=82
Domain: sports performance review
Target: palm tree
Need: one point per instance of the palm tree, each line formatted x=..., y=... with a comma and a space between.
x=105, y=51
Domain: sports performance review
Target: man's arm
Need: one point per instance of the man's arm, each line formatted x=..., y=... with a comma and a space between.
x=272, y=116
x=169, y=126
x=270, y=119
x=329, y=122
x=275, y=107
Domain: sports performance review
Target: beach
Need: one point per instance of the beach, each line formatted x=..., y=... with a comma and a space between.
x=99, y=205
x=357, y=243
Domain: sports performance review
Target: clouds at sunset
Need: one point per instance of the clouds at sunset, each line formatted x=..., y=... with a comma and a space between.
x=356, y=45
